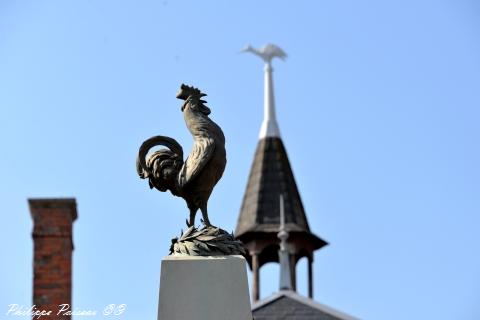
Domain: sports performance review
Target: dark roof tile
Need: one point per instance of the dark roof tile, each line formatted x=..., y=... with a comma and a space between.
x=270, y=176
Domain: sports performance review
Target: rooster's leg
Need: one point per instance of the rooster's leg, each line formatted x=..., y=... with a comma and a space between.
x=193, y=211
x=206, y=221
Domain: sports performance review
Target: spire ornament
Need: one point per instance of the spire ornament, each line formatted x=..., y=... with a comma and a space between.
x=267, y=53
x=283, y=254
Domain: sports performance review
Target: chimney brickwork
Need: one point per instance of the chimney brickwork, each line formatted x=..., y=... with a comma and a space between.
x=52, y=259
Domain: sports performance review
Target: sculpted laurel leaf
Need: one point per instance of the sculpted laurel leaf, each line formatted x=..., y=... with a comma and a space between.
x=208, y=241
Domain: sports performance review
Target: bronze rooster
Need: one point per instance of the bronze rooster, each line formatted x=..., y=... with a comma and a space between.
x=194, y=178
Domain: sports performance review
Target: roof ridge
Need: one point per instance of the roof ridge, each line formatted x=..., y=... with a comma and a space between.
x=304, y=300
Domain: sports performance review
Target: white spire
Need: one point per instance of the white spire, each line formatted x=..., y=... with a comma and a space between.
x=283, y=255
x=269, y=126
x=267, y=53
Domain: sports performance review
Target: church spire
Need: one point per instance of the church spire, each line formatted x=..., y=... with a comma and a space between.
x=270, y=176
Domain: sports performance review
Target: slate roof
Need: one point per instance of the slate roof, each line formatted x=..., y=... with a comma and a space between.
x=288, y=305
x=270, y=176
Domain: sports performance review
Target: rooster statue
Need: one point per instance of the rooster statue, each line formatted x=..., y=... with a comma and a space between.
x=194, y=178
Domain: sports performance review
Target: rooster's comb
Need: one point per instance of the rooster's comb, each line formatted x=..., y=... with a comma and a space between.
x=187, y=91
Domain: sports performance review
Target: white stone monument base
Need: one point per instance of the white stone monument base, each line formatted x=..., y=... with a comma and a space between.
x=204, y=288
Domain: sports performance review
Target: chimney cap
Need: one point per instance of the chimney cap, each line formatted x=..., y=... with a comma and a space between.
x=54, y=203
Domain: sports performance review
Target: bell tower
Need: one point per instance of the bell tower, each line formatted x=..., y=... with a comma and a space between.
x=270, y=179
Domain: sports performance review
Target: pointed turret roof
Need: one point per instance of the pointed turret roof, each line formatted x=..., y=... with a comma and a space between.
x=270, y=176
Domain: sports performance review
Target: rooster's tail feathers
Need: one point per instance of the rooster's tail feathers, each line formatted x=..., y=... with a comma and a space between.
x=144, y=165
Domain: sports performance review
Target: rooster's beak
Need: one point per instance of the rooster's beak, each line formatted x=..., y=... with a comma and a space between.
x=181, y=95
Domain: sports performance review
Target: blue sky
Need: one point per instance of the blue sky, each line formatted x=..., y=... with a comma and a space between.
x=378, y=105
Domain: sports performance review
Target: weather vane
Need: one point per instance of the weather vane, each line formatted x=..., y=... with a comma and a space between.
x=267, y=52
x=194, y=178
x=269, y=126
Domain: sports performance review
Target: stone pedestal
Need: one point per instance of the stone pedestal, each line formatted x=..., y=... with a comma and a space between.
x=204, y=288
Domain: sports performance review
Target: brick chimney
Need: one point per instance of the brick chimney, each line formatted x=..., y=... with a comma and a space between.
x=52, y=257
